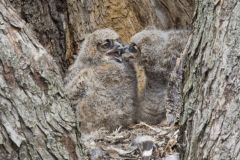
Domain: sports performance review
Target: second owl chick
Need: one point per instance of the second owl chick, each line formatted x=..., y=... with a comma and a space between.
x=156, y=52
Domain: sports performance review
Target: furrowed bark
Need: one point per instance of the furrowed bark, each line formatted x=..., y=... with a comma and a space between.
x=210, y=121
x=36, y=119
x=48, y=20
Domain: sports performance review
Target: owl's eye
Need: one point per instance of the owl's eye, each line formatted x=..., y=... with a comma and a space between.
x=107, y=44
x=133, y=48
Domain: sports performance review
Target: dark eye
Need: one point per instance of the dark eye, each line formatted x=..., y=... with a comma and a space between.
x=133, y=48
x=106, y=44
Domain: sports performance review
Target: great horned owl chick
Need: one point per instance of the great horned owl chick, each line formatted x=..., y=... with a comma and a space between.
x=100, y=85
x=156, y=54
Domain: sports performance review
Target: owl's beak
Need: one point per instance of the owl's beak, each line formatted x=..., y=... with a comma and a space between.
x=128, y=52
x=115, y=52
x=117, y=48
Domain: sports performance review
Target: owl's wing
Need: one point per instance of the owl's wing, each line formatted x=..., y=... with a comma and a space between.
x=76, y=88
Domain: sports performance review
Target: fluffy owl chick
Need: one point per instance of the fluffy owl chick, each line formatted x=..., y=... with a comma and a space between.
x=156, y=52
x=100, y=85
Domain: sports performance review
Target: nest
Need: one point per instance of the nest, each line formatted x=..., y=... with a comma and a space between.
x=122, y=143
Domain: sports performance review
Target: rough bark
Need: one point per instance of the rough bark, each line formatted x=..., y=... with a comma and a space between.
x=48, y=20
x=210, y=121
x=36, y=120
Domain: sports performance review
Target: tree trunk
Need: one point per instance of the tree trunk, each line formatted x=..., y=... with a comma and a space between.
x=210, y=120
x=36, y=120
